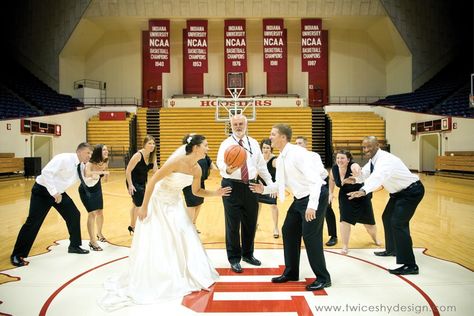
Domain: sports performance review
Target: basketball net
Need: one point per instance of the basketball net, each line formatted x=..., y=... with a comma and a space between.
x=228, y=107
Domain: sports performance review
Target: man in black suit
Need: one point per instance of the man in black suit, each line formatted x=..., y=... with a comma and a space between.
x=298, y=171
x=241, y=206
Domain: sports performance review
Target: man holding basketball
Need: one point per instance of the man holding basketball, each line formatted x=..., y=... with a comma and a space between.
x=241, y=206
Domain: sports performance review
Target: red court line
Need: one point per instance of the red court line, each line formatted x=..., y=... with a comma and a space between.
x=55, y=293
x=299, y=286
x=252, y=271
x=430, y=302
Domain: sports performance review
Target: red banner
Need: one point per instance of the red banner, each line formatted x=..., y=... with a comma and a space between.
x=235, y=46
x=274, y=46
x=195, y=46
x=318, y=89
x=311, y=44
x=156, y=46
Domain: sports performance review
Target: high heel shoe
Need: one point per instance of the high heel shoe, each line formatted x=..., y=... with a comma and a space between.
x=101, y=239
x=131, y=230
x=95, y=248
x=276, y=234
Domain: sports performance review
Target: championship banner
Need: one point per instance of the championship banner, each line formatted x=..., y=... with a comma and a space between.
x=235, y=47
x=274, y=46
x=157, y=46
x=312, y=44
x=318, y=79
x=195, y=46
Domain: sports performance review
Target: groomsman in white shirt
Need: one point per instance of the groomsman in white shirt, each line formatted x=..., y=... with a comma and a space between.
x=298, y=171
x=406, y=192
x=330, y=216
x=49, y=191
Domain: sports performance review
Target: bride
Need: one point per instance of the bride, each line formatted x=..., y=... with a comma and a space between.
x=167, y=259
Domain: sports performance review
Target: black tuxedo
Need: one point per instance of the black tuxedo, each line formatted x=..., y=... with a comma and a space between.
x=295, y=227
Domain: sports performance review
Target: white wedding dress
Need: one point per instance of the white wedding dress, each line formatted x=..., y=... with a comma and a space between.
x=167, y=259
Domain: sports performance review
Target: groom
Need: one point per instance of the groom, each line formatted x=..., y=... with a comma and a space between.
x=297, y=170
x=49, y=191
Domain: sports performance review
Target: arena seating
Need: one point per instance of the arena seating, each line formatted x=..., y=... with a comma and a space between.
x=349, y=128
x=9, y=164
x=457, y=104
x=116, y=134
x=444, y=94
x=13, y=107
x=177, y=122
x=456, y=164
x=36, y=94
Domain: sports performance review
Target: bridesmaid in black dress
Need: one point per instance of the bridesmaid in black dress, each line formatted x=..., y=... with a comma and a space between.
x=355, y=210
x=137, y=176
x=193, y=203
x=267, y=151
x=90, y=192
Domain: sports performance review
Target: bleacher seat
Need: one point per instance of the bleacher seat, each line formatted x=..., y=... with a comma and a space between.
x=444, y=94
x=40, y=98
x=13, y=107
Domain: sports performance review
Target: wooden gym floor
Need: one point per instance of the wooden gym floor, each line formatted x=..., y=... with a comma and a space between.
x=442, y=223
x=58, y=283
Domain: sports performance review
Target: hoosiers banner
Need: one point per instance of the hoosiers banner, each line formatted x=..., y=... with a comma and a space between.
x=195, y=46
x=157, y=46
x=311, y=44
x=235, y=46
x=274, y=46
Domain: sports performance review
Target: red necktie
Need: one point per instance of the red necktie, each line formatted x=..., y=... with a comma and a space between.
x=243, y=170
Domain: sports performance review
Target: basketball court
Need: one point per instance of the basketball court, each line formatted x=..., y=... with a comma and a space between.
x=56, y=282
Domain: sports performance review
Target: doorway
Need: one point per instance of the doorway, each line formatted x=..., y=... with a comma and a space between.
x=42, y=146
x=429, y=150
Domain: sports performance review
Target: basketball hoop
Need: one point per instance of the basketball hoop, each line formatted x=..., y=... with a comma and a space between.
x=228, y=107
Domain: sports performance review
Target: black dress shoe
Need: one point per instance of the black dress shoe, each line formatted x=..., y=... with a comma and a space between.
x=385, y=253
x=252, y=260
x=405, y=269
x=18, y=261
x=236, y=267
x=77, y=249
x=283, y=278
x=332, y=241
x=317, y=285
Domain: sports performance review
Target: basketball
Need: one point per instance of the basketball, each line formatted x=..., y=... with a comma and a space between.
x=235, y=156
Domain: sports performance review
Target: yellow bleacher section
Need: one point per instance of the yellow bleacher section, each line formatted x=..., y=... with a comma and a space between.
x=177, y=122
x=141, y=126
x=349, y=128
x=114, y=134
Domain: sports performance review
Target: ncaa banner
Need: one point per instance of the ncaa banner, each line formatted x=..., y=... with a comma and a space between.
x=235, y=46
x=195, y=46
x=158, y=48
x=274, y=46
x=311, y=44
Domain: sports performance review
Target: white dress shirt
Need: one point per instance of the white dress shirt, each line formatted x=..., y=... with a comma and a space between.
x=302, y=174
x=60, y=173
x=389, y=172
x=323, y=172
x=255, y=162
x=89, y=181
